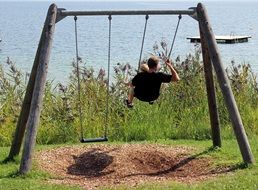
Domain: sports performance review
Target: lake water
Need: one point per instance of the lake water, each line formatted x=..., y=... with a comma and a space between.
x=21, y=24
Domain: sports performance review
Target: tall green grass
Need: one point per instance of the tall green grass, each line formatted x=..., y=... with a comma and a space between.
x=181, y=112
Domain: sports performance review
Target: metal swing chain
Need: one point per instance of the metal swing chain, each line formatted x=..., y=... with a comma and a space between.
x=108, y=77
x=172, y=45
x=78, y=77
x=144, y=32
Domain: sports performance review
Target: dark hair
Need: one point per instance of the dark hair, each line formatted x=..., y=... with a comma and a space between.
x=153, y=62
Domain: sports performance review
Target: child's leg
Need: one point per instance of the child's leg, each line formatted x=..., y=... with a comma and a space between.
x=131, y=94
x=129, y=101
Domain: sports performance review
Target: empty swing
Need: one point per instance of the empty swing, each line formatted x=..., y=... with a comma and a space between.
x=104, y=137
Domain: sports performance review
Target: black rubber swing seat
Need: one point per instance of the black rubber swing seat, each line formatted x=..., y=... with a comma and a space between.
x=90, y=140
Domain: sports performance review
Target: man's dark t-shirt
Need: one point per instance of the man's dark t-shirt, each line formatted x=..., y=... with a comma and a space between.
x=147, y=85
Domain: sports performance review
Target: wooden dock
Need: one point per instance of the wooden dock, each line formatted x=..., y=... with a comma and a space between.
x=223, y=39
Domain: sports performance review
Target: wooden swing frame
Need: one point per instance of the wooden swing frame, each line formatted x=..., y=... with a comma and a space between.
x=31, y=107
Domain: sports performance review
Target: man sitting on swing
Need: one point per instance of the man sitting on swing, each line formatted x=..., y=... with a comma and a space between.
x=145, y=86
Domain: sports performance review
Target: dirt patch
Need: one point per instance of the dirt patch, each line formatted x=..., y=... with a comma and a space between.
x=93, y=166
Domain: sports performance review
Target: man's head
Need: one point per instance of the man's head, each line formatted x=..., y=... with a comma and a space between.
x=153, y=62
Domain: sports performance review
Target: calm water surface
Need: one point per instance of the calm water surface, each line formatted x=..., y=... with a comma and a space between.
x=21, y=24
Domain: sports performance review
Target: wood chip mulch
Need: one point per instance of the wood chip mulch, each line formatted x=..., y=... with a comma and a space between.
x=98, y=165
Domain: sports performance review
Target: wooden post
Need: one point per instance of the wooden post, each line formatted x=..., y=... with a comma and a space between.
x=24, y=114
x=211, y=94
x=225, y=85
x=36, y=102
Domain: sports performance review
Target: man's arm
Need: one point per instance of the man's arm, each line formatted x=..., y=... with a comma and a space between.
x=175, y=76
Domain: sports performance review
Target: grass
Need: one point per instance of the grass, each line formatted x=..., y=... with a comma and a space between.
x=243, y=177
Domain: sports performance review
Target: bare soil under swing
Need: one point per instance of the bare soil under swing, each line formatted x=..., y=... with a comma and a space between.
x=98, y=165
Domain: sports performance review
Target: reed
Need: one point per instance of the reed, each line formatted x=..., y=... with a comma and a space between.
x=181, y=112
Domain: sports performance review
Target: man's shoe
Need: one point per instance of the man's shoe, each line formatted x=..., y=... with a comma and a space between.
x=151, y=102
x=128, y=104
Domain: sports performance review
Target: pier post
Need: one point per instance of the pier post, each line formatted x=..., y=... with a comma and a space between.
x=39, y=86
x=225, y=85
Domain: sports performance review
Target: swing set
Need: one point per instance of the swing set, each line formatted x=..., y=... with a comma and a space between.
x=104, y=137
x=32, y=103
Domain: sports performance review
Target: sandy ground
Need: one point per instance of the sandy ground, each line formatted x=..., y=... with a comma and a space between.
x=98, y=165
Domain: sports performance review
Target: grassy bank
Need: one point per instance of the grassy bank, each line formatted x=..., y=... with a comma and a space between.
x=181, y=112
